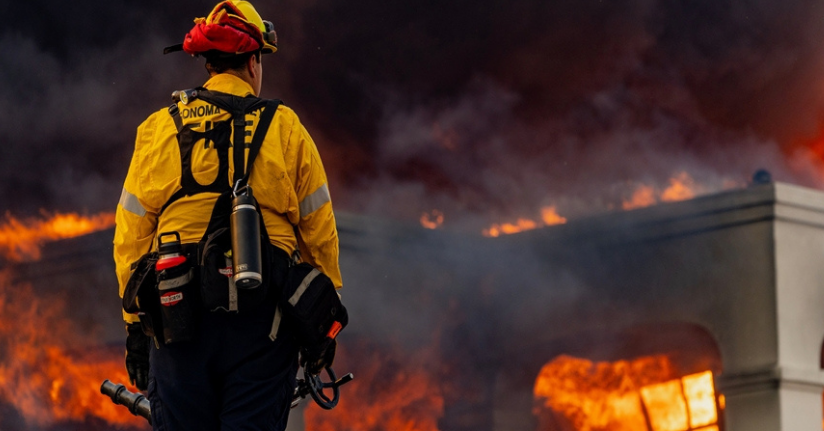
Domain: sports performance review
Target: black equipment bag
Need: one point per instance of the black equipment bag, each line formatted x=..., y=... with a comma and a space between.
x=313, y=308
x=178, y=288
x=216, y=287
x=168, y=302
x=141, y=296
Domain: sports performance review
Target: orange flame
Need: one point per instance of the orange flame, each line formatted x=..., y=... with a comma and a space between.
x=549, y=217
x=392, y=390
x=41, y=372
x=681, y=187
x=643, y=196
x=637, y=395
x=432, y=219
x=21, y=239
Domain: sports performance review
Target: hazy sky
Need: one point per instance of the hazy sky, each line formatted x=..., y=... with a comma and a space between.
x=485, y=109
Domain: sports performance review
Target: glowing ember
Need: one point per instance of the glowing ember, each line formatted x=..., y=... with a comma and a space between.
x=21, y=239
x=392, y=390
x=632, y=395
x=549, y=217
x=43, y=373
x=432, y=219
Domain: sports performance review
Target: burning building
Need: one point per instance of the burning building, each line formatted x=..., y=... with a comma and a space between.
x=728, y=283
x=699, y=315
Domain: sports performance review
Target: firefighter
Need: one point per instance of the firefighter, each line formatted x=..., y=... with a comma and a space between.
x=226, y=367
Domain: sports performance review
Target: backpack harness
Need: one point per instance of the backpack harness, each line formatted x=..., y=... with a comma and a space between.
x=220, y=135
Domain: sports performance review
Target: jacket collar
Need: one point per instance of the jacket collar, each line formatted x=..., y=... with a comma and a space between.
x=228, y=83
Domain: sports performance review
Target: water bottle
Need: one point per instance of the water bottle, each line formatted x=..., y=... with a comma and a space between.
x=175, y=287
x=244, y=223
x=169, y=253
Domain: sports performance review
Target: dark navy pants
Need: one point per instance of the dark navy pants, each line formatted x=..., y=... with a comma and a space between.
x=232, y=377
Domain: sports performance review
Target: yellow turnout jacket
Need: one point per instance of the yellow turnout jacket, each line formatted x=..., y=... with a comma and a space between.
x=288, y=180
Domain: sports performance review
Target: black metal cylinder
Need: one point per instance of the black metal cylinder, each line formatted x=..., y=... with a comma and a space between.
x=247, y=264
x=137, y=404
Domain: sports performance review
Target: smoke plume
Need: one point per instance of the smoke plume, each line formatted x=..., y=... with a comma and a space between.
x=483, y=110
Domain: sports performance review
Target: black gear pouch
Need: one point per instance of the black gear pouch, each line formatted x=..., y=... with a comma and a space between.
x=313, y=308
x=216, y=286
x=140, y=295
x=179, y=298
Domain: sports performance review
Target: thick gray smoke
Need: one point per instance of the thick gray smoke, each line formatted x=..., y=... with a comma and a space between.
x=484, y=110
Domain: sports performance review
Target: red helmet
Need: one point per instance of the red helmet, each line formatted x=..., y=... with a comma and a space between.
x=233, y=27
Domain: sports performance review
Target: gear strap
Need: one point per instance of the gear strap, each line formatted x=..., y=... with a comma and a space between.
x=266, y=116
x=238, y=107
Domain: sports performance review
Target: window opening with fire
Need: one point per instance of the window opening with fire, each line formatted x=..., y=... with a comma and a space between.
x=643, y=394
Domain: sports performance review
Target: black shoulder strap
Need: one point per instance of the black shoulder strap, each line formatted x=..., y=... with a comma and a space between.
x=175, y=113
x=266, y=116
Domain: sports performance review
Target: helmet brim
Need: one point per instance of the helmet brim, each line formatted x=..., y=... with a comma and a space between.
x=268, y=48
x=173, y=48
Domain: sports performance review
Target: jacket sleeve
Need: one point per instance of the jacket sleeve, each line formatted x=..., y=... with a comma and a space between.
x=134, y=224
x=317, y=233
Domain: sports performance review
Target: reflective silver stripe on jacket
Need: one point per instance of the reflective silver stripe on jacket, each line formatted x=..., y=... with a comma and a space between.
x=314, y=201
x=130, y=203
x=303, y=286
x=273, y=334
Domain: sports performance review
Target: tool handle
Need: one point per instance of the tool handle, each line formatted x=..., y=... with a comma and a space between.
x=137, y=404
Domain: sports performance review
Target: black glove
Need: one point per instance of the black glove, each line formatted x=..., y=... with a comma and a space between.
x=137, y=355
x=316, y=360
